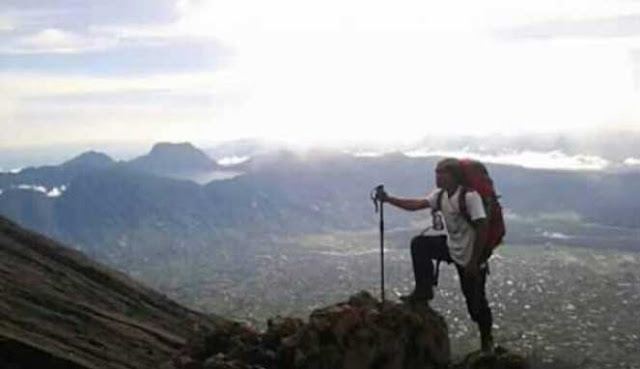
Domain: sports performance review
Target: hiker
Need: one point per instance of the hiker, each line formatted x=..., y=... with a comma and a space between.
x=462, y=243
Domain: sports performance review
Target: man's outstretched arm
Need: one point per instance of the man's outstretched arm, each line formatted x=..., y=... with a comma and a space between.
x=407, y=204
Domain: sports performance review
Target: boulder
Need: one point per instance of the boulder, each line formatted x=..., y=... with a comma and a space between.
x=357, y=334
x=500, y=359
x=362, y=333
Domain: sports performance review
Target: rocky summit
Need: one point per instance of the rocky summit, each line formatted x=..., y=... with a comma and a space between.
x=361, y=333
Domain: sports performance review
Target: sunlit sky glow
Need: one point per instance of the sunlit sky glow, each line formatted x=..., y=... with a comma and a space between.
x=318, y=71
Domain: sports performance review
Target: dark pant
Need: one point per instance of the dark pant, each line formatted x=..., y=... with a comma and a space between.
x=424, y=250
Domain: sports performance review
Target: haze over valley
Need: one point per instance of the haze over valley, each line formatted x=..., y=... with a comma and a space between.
x=282, y=232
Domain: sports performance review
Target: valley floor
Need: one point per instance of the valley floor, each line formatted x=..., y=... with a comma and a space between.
x=550, y=302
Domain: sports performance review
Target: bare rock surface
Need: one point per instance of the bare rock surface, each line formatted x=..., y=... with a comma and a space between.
x=361, y=333
x=59, y=309
x=357, y=334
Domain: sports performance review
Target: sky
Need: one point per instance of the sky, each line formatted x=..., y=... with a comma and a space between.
x=314, y=71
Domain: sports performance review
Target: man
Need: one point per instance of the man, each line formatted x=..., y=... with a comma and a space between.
x=463, y=245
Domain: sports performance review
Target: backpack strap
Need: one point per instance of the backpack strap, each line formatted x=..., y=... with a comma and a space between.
x=462, y=204
x=438, y=204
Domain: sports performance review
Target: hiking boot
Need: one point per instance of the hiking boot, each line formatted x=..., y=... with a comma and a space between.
x=486, y=343
x=418, y=297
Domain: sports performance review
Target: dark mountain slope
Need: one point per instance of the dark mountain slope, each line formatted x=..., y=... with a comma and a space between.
x=89, y=159
x=60, y=175
x=59, y=309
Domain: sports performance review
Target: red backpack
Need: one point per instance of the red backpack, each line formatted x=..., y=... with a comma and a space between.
x=476, y=178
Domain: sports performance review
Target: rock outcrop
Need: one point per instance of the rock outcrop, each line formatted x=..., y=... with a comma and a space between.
x=361, y=333
x=59, y=309
x=357, y=334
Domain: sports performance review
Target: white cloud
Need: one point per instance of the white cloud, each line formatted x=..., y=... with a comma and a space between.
x=333, y=70
x=123, y=122
x=510, y=215
x=25, y=85
x=632, y=162
x=53, y=192
x=57, y=41
x=233, y=160
x=239, y=18
x=56, y=191
x=35, y=188
x=72, y=14
x=564, y=217
x=6, y=24
x=527, y=159
x=218, y=175
x=556, y=235
x=367, y=154
x=32, y=119
x=360, y=70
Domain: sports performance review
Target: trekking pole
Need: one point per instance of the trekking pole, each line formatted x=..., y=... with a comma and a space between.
x=375, y=196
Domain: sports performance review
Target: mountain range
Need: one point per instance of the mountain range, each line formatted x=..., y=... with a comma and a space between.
x=156, y=205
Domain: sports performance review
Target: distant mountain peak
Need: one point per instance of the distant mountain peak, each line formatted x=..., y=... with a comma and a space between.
x=90, y=159
x=172, y=158
x=173, y=147
x=183, y=150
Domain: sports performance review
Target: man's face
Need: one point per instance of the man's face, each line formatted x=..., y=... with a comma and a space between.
x=444, y=178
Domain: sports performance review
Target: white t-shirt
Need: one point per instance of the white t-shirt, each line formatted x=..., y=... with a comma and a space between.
x=461, y=234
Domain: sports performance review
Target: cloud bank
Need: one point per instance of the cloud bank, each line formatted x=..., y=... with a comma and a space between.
x=527, y=159
x=632, y=162
x=314, y=72
x=53, y=192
